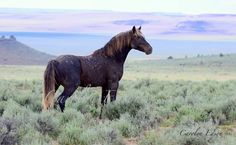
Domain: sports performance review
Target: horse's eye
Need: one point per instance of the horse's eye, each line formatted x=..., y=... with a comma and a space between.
x=139, y=37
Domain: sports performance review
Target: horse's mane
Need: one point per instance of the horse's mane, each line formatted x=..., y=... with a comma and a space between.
x=116, y=44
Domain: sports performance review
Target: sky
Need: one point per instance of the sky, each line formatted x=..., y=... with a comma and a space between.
x=170, y=19
x=167, y=6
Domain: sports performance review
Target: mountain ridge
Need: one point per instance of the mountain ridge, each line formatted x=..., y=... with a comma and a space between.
x=13, y=52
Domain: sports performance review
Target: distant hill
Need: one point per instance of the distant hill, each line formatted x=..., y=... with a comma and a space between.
x=13, y=52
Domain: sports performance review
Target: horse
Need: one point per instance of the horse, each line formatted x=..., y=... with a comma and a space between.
x=103, y=68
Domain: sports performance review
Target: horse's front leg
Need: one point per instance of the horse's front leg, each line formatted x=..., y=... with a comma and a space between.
x=103, y=99
x=104, y=95
x=113, y=90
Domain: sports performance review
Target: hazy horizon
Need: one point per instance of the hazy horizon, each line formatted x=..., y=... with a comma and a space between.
x=82, y=44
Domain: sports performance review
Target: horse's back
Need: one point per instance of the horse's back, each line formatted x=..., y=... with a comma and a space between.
x=68, y=69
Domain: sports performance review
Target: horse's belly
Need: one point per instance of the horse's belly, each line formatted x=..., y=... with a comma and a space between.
x=92, y=80
x=94, y=71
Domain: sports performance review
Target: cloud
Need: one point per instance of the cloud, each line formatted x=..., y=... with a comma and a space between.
x=193, y=26
x=130, y=22
x=197, y=27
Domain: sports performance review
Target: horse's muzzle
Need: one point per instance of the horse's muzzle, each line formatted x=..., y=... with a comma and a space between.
x=148, y=51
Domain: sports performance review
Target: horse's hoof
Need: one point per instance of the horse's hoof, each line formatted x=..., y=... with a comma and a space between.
x=113, y=99
x=62, y=107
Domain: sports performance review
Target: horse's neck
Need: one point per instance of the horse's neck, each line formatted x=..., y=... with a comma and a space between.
x=122, y=55
x=119, y=56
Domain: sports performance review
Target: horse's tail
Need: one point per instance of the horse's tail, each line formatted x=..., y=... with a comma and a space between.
x=49, y=85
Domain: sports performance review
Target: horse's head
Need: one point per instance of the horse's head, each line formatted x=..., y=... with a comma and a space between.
x=138, y=41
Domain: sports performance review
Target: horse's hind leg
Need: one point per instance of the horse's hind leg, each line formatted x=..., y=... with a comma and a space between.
x=56, y=88
x=68, y=91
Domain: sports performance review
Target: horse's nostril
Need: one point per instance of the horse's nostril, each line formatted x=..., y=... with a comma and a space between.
x=149, y=51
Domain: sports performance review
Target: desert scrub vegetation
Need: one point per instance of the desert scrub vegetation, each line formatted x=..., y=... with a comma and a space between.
x=149, y=111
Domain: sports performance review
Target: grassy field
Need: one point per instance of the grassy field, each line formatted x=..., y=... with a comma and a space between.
x=196, y=69
x=188, y=101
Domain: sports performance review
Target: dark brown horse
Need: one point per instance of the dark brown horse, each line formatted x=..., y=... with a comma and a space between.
x=102, y=68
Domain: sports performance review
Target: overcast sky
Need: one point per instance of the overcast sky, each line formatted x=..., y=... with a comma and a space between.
x=171, y=6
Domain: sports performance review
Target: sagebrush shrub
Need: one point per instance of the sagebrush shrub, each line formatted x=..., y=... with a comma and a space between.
x=9, y=131
x=126, y=126
x=71, y=115
x=142, y=83
x=70, y=134
x=15, y=111
x=151, y=138
x=2, y=107
x=31, y=136
x=100, y=134
x=46, y=123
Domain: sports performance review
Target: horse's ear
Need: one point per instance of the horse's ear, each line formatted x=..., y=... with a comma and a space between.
x=139, y=28
x=133, y=29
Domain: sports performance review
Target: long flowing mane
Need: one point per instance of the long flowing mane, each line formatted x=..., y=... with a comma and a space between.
x=116, y=44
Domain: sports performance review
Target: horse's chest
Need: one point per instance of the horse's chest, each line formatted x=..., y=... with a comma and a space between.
x=115, y=72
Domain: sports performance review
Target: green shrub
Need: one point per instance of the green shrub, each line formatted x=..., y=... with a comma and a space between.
x=86, y=103
x=47, y=123
x=121, y=87
x=70, y=134
x=226, y=140
x=151, y=138
x=125, y=126
x=23, y=100
x=196, y=113
x=129, y=105
x=2, y=107
x=71, y=115
x=229, y=110
x=17, y=112
x=30, y=136
x=142, y=83
x=100, y=134
x=8, y=131
x=147, y=118
x=223, y=111
x=112, y=111
x=33, y=101
x=8, y=93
